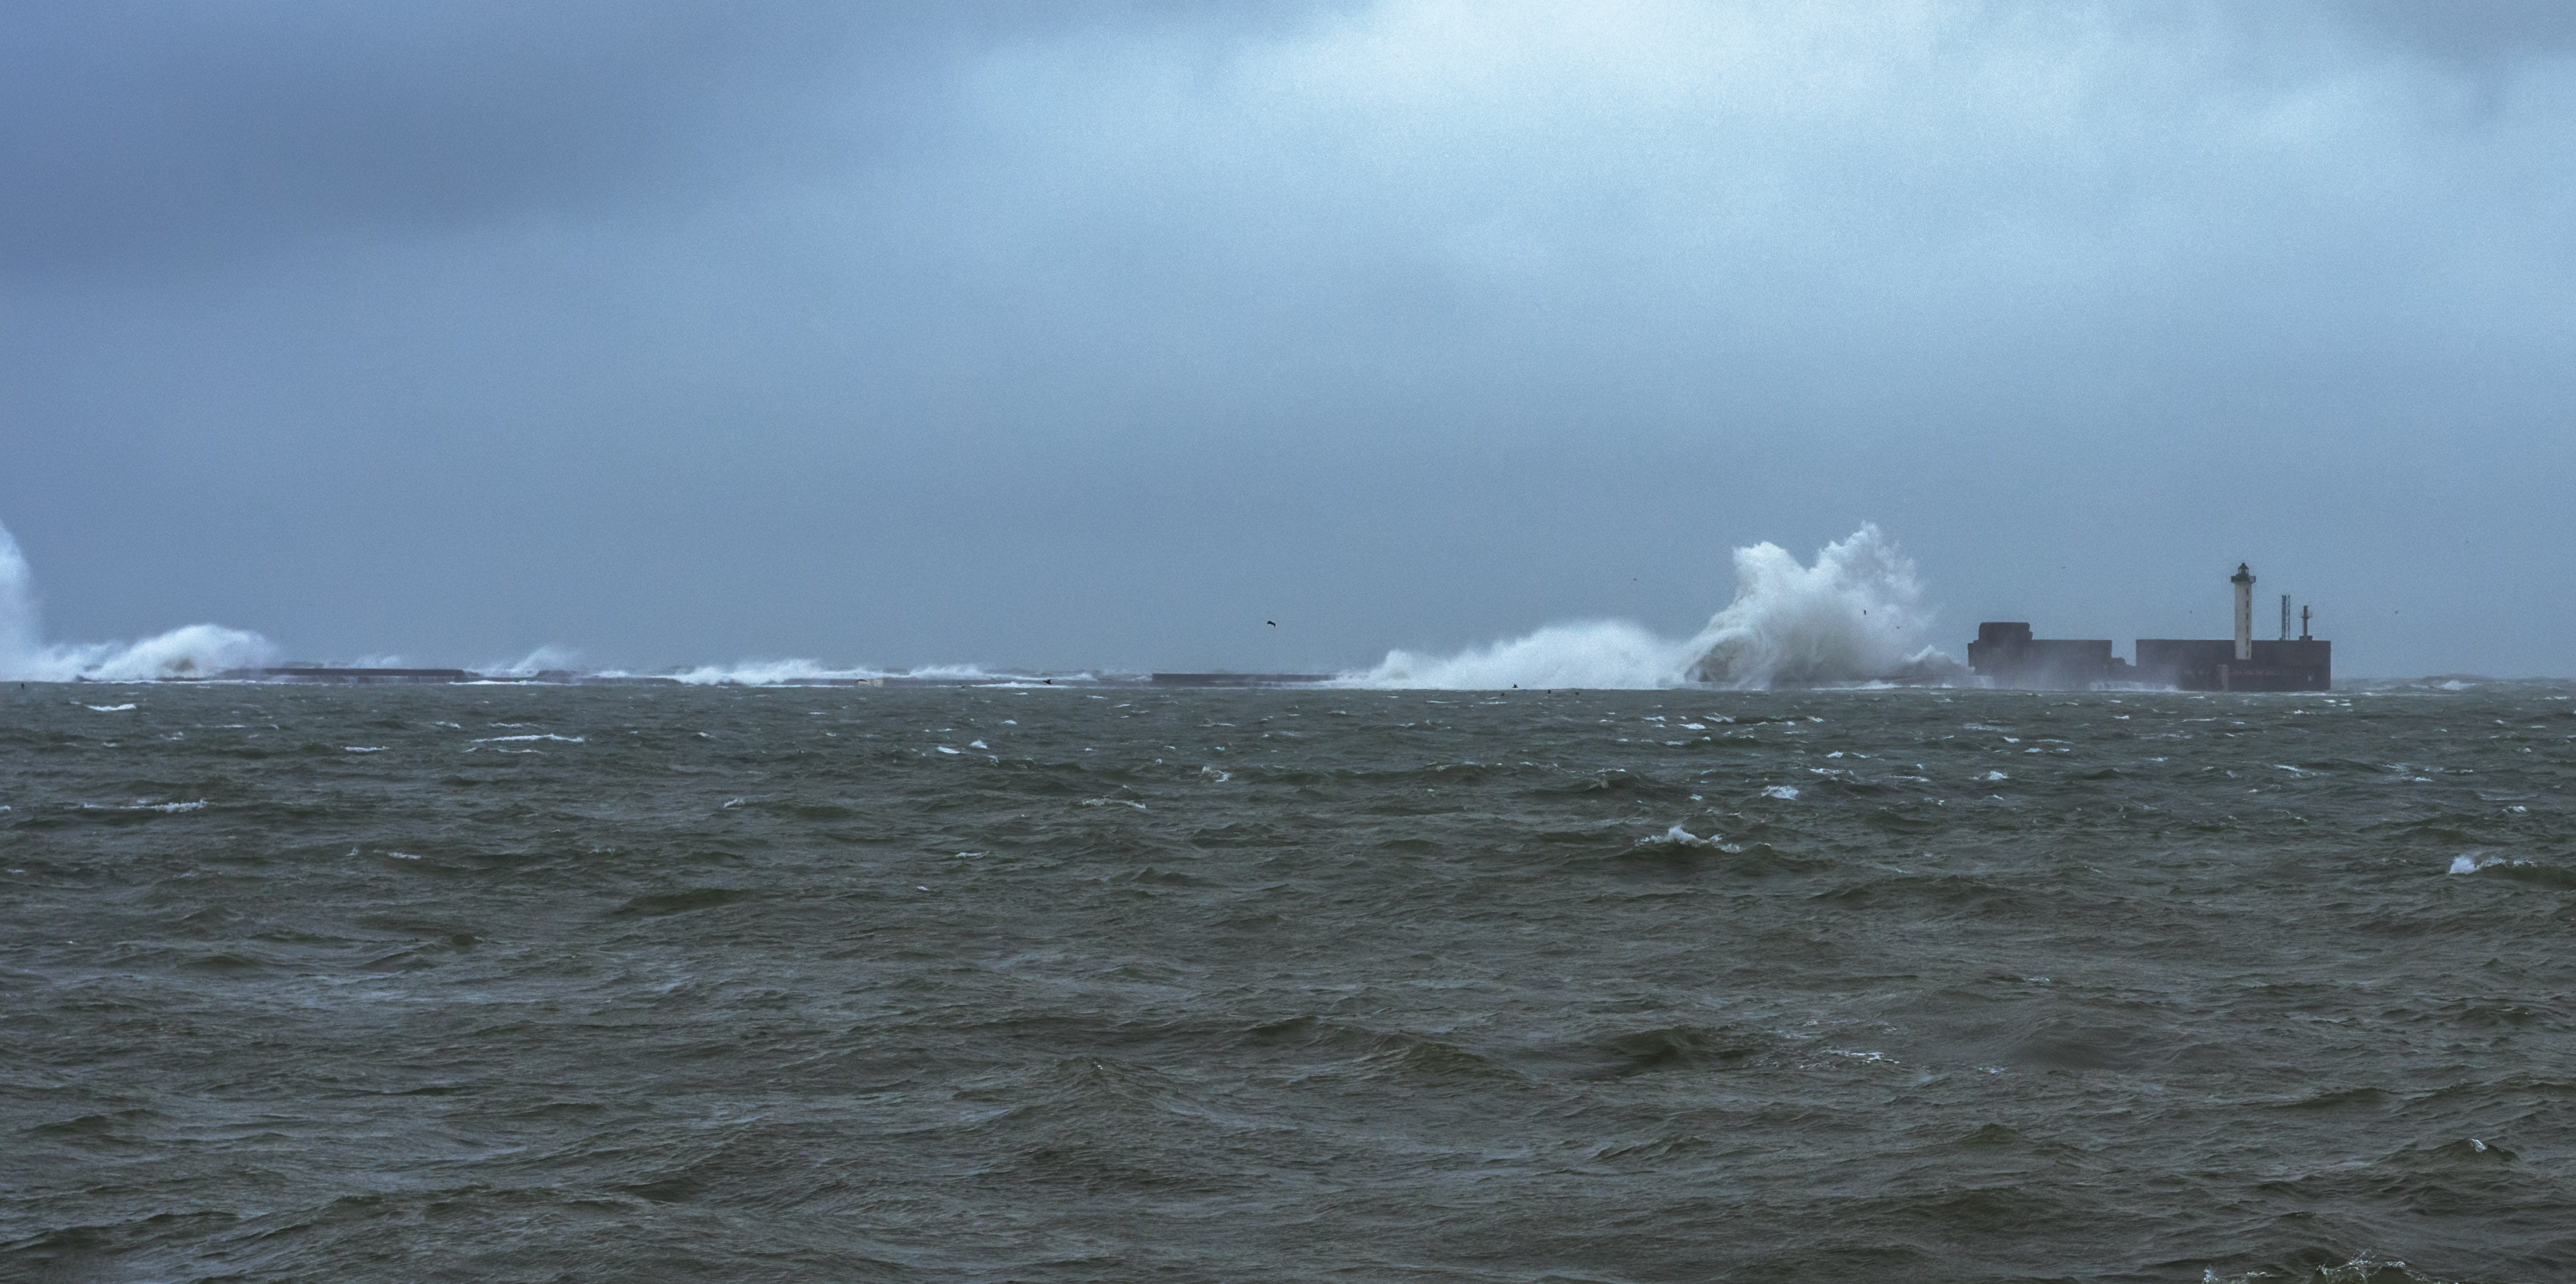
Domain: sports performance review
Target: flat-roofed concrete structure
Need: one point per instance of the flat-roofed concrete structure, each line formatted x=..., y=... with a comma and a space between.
x=2006, y=655
x=2191, y=664
x=2240, y=663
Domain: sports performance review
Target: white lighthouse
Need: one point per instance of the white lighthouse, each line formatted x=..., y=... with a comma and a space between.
x=2244, y=582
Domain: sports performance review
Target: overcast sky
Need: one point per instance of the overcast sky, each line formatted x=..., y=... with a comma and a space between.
x=687, y=332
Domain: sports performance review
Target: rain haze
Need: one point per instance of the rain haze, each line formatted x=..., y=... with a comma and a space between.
x=1278, y=336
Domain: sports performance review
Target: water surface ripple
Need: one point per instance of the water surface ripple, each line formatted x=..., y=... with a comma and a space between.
x=515, y=983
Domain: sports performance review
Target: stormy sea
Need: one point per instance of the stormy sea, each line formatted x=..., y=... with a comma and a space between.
x=524, y=982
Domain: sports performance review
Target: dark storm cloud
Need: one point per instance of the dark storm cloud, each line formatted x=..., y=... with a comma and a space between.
x=2467, y=30
x=162, y=132
x=158, y=131
x=154, y=132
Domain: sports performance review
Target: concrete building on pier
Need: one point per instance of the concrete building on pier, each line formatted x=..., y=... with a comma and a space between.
x=2006, y=655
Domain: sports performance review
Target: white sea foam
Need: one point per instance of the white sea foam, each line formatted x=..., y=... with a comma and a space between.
x=775, y=673
x=1677, y=837
x=769, y=673
x=543, y=659
x=197, y=650
x=1856, y=615
x=2476, y=861
x=146, y=804
x=1597, y=654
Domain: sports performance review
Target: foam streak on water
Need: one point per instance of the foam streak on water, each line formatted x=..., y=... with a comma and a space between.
x=1330, y=985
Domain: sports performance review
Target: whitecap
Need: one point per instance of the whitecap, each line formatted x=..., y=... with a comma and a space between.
x=766, y=673
x=2475, y=862
x=1780, y=791
x=1680, y=837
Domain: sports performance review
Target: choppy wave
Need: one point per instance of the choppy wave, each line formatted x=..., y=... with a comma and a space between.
x=192, y=651
x=1113, y=964
x=1856, y=615
x=772, y=673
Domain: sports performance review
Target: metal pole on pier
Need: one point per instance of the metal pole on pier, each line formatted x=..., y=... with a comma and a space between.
x=2243, y=579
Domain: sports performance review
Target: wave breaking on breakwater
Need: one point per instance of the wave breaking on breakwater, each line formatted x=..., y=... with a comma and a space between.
x=1855, y=616
x=197, y=650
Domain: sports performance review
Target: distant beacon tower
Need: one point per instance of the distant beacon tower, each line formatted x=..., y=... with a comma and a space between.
x=2243, y=579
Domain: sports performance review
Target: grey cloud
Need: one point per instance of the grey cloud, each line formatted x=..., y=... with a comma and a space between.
x=140, y=132
x=2467, y=30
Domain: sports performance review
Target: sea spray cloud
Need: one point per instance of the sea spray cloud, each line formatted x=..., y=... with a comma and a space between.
x=1597, y=654
x=197, y=650
x=1856, y=615
x=540, y=660
x=18, y=635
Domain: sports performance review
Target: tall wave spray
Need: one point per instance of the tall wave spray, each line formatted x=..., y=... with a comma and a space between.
x=1856, y=615
x=194, y=651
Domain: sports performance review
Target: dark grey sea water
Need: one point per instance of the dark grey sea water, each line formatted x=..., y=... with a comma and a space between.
x=512, y=983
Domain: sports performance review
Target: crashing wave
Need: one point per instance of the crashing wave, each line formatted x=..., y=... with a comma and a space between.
x=1856, y=615
x=198, y=650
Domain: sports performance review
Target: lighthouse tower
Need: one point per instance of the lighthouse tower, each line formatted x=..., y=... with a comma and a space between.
x=2243, y=579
